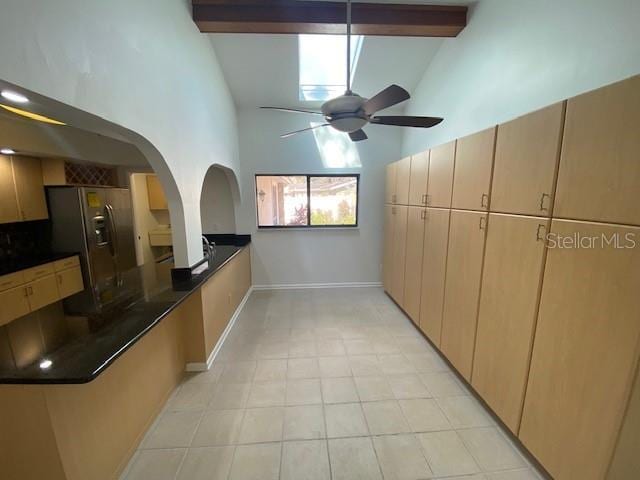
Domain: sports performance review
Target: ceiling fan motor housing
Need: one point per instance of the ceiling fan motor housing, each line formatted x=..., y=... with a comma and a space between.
x=346, y=113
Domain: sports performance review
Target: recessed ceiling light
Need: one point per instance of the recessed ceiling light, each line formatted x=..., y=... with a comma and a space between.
x=32, y=116
x=7, y=151
x=46, y=364
x=14, y=97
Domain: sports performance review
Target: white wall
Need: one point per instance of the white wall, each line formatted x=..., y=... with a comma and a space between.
x=142, y=65
x=516, y=56
x=312, y=256
x=216, y=203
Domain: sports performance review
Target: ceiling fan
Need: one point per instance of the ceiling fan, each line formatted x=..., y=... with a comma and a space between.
x=350, y=112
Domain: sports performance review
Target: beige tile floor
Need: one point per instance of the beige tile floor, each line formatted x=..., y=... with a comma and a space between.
x=325, y=384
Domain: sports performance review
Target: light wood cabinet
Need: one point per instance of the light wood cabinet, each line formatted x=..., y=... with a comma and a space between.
x=403, y=175
x=43, y=292
x=599, y=168
x=462, y=288
x=8, y=200
x=390, y=182
x=413, y=262
x=14, y=303
x=418, y=179
x=434, y=264
x=585, y=350
x=157, y=198
x=526, y=161
x=27, y=175
x=440, y=181
x=399, y=252
x=511, y=280
x=69, y=282
x=473, y=169
x=387, y=256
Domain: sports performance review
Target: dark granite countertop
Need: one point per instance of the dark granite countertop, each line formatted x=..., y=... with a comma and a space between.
x=82, y=357
x=15, y=265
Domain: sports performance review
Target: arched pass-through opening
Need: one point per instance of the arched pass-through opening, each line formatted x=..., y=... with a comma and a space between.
x=218, y=199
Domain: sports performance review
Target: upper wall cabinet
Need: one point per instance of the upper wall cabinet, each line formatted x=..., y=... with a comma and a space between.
x=527, y=152
x=440, y=182
x=157, y=198
x=8, y=199
x=403, y=175
x=418, y=179
x=390, y=182
x=462, y=288
x=472, y=178
x=585, y=352
x=599, y=166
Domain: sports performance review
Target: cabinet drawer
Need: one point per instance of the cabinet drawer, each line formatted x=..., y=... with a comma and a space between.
x=66, y=263
x=11, y=280
x=40, y=271
x=43, y=292
x=14, y=303
x=70, y=282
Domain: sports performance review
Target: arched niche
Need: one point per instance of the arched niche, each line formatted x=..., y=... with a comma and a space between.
x=219, y=195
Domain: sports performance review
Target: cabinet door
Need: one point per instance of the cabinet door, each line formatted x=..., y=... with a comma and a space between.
x=43, y=292
x=440, y=182
x=27, y=174
x=399, y=252
x=70, y=282
x=474, y=164
x=599, y=168
x=511, y=278
x=157, y=198
x=434, y=265
x=390, y=182
x=418, y=179
x=387, y=254
x=585, y=350
x=14, y=303
x=8, y=199
x=413, y=262
x=527, y=153
x=403, y=174
x=462, y=288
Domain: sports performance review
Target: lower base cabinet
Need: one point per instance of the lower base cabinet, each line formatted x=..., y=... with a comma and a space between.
x=585, y=352
x=413, y=262
x=387, y=255
x=399, y=249
x=511, y=277
x=434, y=265
x=462, y=288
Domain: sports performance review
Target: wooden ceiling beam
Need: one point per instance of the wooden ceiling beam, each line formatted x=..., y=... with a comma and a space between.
x=296, y=16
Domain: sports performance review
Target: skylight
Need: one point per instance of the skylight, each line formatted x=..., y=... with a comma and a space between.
x=323, y=65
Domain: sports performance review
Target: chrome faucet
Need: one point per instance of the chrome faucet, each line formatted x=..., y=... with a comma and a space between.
x=209, y=249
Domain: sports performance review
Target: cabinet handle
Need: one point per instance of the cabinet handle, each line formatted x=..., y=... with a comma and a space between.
x=26, y=291
x=424, y=199
x=29, y=290
x=59, y=279
x=394, y=198
x=483, y=223
x=542, y=207
x=423, y=214
x=482, y=201
x=427, y=199
x=541, y=228
x=393, y=210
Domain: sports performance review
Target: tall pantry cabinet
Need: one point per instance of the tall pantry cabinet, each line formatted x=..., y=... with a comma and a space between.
x=520, y=262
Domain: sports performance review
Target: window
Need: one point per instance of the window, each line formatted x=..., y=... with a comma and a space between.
x=323, y=65
x=295, y=201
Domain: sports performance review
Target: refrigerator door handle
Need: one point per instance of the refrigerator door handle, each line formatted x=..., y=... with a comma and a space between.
x=114, y=231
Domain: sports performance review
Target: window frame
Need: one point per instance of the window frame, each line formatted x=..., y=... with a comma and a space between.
x=308, y=176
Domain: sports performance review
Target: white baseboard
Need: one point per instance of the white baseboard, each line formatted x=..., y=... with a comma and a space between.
x=298, y=286
x=203, y=367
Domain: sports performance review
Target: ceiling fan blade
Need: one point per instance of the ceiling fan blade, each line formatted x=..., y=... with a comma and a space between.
x=290, y=134
x=407, y=121
x=291, y=110
x=358, y=135
x=388, y=97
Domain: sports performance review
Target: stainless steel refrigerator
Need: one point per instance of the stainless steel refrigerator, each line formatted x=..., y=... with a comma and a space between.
x=97, y=222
